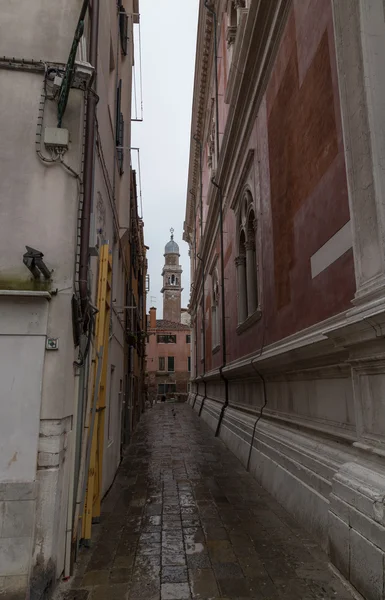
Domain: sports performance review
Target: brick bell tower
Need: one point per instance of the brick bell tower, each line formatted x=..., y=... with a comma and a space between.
x=172, y=282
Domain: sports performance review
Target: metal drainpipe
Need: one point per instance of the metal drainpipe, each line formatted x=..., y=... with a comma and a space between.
x=260, y=412
x=204, y=332
x=219, y=188
x=224, y=353
x=195, y=270
x=89, y=157
x=198, y=141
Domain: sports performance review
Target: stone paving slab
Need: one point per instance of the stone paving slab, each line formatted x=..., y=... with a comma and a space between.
x=185, y=521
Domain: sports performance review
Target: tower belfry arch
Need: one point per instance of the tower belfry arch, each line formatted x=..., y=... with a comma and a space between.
x=172, y=281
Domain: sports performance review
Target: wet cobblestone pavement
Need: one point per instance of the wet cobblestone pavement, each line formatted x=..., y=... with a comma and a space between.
x=185, y=520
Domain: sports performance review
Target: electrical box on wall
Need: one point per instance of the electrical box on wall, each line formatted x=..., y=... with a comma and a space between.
x=56, y=137
x=57, y=83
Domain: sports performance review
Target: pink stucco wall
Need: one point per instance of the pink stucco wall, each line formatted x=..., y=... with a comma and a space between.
x=180, y=351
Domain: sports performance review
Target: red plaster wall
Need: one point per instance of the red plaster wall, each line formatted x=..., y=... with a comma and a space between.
x=299, y=159
x=308, y=190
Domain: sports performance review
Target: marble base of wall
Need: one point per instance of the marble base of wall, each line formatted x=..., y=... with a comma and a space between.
x=17, y=521
x=318, y=444
x=341, y=503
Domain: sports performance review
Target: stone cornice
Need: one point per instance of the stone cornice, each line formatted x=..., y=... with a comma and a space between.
x=263, y=32
x=262, y=35
x=318, y=345
x=203, y=65
x=237, y=59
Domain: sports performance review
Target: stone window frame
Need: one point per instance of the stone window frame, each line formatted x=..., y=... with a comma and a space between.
x=171, y=361
x=233, y=17
x=247, y=263
x=236, y=16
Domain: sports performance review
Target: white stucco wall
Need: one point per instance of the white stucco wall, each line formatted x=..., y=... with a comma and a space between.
x=39, y=208
x=38, y=30
x=23, y=326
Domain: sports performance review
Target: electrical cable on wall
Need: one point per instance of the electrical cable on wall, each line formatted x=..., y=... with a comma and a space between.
x=57, y=158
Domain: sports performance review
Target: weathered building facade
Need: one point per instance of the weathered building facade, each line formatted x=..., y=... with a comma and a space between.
x=65, y=185
x=135, y=319
x=285, y=221
x=169, y=339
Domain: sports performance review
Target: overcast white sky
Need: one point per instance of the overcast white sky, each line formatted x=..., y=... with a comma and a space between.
x=168, y=35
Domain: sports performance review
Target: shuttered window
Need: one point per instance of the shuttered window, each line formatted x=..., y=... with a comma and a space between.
x=119, y=129
x=123, y=30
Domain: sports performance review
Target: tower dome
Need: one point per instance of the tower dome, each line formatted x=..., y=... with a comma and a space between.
x=171, y=247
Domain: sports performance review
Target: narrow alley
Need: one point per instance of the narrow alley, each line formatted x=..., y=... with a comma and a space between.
x=185, y=520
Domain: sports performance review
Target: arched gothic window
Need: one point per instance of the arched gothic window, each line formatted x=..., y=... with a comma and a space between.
x=246, y=261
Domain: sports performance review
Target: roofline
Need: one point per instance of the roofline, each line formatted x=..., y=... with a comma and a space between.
x=203, y=66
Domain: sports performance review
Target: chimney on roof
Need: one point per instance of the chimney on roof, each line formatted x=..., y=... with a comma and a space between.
x=152, y=317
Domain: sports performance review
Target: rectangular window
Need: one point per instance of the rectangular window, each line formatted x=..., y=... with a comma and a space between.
x=161, y=363
x=188, y=339
x=166, y=339
x=189, y=363
x=161, y=387
x=170, y=364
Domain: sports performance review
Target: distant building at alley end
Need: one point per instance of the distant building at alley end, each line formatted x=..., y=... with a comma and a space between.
x=168, y=346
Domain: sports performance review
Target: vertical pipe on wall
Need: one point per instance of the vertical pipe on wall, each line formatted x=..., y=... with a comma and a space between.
x=198, y=141
x=196, y=321
x=89, y=157
x=203, y=331
x=219, y=188
x=72, y=466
